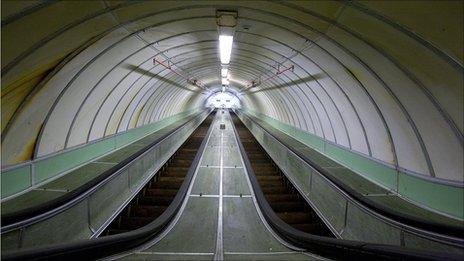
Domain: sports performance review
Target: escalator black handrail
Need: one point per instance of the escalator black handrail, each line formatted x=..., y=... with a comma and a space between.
x=332, y=247
x=96, y=248
x=403, y=218
x=29, y=215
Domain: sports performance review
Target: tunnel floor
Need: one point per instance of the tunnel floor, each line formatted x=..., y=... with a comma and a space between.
x=219, y=218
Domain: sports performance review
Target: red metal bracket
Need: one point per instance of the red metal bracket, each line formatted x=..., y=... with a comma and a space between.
x=278, y=72
x=169, y=67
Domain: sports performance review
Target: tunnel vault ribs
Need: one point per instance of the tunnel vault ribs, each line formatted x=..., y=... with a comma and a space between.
x=282, y=196
x=156, y=196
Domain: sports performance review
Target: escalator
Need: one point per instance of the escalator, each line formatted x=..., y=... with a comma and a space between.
x=159, y=192
x=256, y=208
x=283, y=198
x=306, y=167
x=291, y=216
x=146, y=215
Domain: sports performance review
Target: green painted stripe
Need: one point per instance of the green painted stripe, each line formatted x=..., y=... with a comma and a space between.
x=50, y=167
x=18, y=179
x=369, y=169
x=15, y=180
x=440, y=197
x=446, y=199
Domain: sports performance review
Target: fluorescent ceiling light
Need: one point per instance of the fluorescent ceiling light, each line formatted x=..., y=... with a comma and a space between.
x=225, y=81
x=224, y=72
x=225, y=48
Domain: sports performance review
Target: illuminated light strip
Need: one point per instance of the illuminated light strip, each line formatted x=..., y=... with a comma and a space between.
x=224, y=72
x=225, y=48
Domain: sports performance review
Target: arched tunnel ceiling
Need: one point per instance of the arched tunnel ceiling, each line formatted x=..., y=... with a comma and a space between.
x=382, y=79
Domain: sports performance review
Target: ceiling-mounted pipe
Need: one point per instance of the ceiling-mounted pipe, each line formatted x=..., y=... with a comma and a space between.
x=192, y=81
x=258, y=82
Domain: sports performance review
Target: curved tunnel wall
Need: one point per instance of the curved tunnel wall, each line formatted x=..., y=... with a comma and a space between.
x=380, y=79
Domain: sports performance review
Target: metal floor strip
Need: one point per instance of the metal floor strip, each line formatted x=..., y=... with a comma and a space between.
x=219, y=255
x=175, y=253
x=217, y=196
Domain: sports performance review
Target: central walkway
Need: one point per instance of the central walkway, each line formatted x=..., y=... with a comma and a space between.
x=219, y=218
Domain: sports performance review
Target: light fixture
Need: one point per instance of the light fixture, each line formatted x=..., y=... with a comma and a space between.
x=226, y=21
x=224, y=72
x=225, y=48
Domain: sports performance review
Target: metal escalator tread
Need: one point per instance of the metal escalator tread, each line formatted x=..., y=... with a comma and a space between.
x=156, y=196
x=279, y=192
